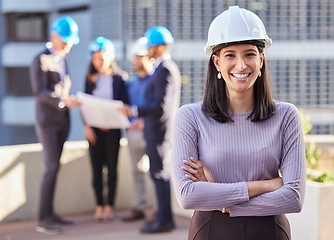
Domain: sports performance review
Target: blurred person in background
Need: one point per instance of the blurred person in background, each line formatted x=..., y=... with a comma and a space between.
x=105, y=80
x=136, y=88
x=51, y=85
x=163, y=99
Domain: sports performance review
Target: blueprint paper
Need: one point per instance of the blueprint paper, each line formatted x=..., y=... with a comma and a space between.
x=102, y=113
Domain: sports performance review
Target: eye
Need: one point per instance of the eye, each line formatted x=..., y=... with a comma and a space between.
x=230, y=55
x=250, y=54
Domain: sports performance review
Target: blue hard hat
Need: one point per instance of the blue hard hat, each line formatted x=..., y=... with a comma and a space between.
x=158, y=35
x=102, y=44
x=67, y=29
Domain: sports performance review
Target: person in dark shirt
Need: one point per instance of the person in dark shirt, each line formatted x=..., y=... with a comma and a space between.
x=105, y=80
x=51, y=85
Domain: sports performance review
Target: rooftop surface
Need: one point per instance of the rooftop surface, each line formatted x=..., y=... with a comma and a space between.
x=84, y=228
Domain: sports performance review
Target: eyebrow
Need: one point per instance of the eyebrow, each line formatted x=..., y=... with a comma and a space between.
x=232, y=51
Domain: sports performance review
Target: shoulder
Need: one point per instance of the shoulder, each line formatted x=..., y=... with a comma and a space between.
x=40, y=54
x=190, y=110
x=131, y=81
x=166, y=69
x=189, y=116
x=42, y=60
x=169, y=64
x=287, y=112
x=285, y=108
x=121, y=75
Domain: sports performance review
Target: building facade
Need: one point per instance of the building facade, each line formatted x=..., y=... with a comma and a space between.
x=300, y=59
x=25, y=29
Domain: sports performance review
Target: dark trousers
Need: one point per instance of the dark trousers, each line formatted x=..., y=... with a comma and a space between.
x=52, y=139
x=105, y=153
x=157, y=153
x=213, y=225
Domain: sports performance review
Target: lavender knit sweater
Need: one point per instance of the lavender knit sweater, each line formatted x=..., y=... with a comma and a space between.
x=236, y=152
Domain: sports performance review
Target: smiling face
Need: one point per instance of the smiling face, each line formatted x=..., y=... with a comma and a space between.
x=102, y=60
x=240, y=66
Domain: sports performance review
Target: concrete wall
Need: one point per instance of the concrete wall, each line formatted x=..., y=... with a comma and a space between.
x=21, y=169
x=316, y=220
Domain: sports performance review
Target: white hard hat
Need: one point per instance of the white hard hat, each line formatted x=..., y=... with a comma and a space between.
x=236, y=25
x=139, y=47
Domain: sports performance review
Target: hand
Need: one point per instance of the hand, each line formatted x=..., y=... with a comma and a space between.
x=137, y=124
x=126, y=110
x=71, y=101
x=90, y=134
x=195, y=169
x=197, y=173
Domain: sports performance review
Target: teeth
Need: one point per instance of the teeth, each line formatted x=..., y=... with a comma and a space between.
x=240, y=75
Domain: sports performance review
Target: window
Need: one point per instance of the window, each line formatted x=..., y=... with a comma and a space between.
x=18, y=83
x=26, y=27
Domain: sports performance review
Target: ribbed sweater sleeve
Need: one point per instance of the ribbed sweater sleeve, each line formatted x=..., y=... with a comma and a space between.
x=234, y=153
x=198, y=195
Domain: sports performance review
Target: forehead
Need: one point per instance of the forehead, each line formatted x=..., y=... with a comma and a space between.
x=153, y=47
x=56, y=38
x=98, y=54
x=240, y=48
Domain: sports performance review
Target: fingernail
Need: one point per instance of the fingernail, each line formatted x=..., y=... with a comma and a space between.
x=183, y=167
x=185, y=161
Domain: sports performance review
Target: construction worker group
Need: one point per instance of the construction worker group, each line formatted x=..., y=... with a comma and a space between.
x=150, y=99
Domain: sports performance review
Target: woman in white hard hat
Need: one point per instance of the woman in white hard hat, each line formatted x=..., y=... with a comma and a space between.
x=104, y=80
x=252, y=158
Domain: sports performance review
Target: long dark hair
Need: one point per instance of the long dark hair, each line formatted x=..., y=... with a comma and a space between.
x=216, y=100
x=92, y=73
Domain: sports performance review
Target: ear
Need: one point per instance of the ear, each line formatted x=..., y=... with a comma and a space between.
x=261, y=59
x=215, y=60
x=162, y=48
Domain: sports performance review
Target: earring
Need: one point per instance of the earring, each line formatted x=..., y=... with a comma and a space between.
x=219, y=75
x=260, y=74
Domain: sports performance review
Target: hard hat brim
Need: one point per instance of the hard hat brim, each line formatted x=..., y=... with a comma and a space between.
x=258, y=43
x=74, y=39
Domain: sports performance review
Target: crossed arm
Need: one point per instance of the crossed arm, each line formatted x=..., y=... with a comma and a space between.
x=195, y=189
x=195, y=172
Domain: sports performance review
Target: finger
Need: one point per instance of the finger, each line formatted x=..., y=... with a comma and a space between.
x=193, y=160
x=189, y=170
x=190, y=164
x=191, y=177
x=197, y=162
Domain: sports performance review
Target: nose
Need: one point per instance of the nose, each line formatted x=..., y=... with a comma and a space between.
x=240, y=64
